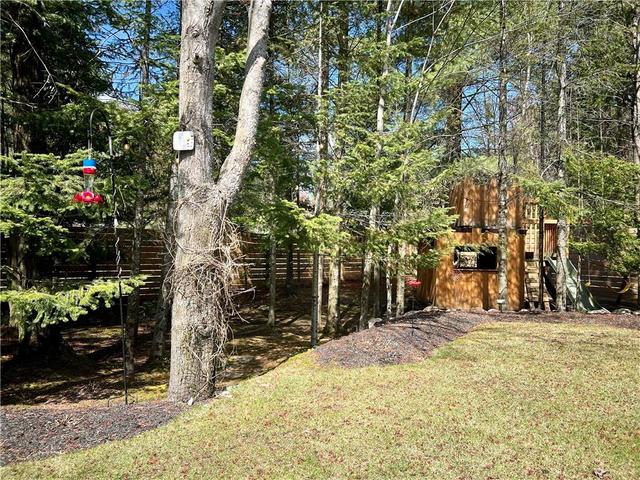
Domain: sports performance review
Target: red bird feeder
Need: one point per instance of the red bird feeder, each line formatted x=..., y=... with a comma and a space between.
x=88, y=195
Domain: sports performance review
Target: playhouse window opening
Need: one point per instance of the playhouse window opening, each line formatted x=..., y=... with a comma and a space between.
x=467, y=258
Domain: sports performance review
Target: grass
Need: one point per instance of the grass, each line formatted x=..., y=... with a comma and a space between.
x=506, y=401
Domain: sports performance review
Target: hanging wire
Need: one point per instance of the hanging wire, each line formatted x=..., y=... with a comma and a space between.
x=116, y=245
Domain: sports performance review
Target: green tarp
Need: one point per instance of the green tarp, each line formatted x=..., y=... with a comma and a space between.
x=577, y=293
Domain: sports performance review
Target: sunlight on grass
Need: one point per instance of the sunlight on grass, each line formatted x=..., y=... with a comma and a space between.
x=505, y=401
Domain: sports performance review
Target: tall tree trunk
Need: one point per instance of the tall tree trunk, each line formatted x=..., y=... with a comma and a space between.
x=388, y=285
x=333, y=296
x=367, y=273
x=503, y=167
x=133, y=303
x=453, y=127
x=4, y=139
x=410, y=108
x=636, y=117
x=18, y=276
x=145, y=56
x=165, y=299
x=316, y=296
x=271, y=321
x=376, y=289
x=562, y=226
x=636, y=89
x=288, y=284
x=400, y=285
x=321, y=150
x=335, y=265
x=199, y=326
x=541, y=169
x=369, y=268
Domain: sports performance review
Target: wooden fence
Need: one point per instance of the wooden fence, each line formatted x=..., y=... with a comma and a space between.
x=605, y=284
x=253, y=273
x=103, y=264
x=255, y=263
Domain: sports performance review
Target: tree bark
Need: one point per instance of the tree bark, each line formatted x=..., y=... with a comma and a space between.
x=335, y=265
x=199, y=327
x=367, y=273
x=562, y=226
x=369, y=268
x=636, y=90
x=541, y=169
x=409, y=117
x=163, y=312
x=18, y=276
x=316, y=296
x=503, y=167
x=321, y=151
x=400, y=285
x=333, y=296
x=133, y=302
x=376, y=289
x=388, y=285
x=636, y=118
x=145, y=64
x=453, y=127
x=271, y=321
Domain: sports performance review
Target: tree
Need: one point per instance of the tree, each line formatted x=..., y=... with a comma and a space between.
x=37, y=214
x=390, y=18
x=635, y=127
x=51, y=70
x=563, y=250
x=322, y=140
x=503, y=167
x=203, y=266
x=341, y=29
x=636, y=116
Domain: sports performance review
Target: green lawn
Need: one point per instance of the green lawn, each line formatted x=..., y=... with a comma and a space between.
x=507, y=401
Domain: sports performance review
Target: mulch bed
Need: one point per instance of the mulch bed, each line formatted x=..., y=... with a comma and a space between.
x=38, y=432
x=414, y=336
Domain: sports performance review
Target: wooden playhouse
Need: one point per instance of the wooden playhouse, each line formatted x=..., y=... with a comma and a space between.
x=467, y=277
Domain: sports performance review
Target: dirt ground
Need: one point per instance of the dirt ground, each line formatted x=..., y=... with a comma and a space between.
x=95, y=375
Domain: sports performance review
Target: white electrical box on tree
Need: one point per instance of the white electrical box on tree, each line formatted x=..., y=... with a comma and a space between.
x=183, y=141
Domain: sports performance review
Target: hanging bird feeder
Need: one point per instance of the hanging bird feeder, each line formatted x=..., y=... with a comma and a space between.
x=88, y=195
